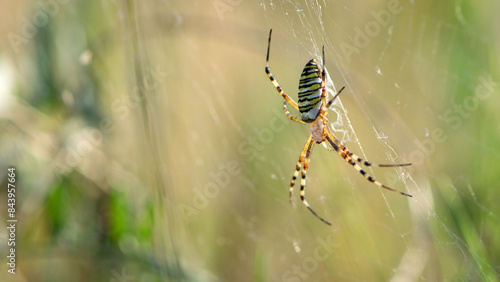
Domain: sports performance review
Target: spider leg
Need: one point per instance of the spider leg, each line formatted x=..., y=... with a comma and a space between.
x=307, y=147
x=354, y=156
x=333, y=99
x=303, y=182
x=290, y=116
x=323, y=80
x=349, y=153
x=350, y=160
x=275, y=83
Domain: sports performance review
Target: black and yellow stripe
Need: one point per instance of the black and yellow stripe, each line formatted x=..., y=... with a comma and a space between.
x=310, y=92
x=350, y=159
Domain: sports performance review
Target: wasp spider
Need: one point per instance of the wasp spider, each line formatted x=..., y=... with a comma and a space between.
x=313, y=107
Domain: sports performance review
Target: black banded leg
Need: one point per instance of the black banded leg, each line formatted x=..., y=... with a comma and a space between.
x=334, y=97
x=303, y=183
x=349, y=160
x=289, y=115
x=323, y=80
x=355, y=157
x=271, y=77
x=308, y=145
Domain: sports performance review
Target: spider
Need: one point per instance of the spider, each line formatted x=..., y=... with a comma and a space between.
x=313, y=105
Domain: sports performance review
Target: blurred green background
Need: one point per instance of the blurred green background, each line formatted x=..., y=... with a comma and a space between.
x=149, y=145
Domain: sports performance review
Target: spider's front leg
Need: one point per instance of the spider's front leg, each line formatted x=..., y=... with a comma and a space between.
x=274, y=81
x=323, y=80
x=334, y=97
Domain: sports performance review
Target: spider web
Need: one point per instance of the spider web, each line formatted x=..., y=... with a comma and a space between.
x=305, y=22
x=311, y=24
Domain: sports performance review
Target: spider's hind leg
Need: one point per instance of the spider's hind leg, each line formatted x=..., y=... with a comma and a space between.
x=306, y=148
x=343, y=152
x=336, y=143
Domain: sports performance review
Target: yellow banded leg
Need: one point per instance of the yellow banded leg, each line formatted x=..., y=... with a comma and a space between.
x=349, y=160
x=303, y=183
x=289, y=115
x=334, y=97
x=308, y=144
x=354, y=156
x=271, y=77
